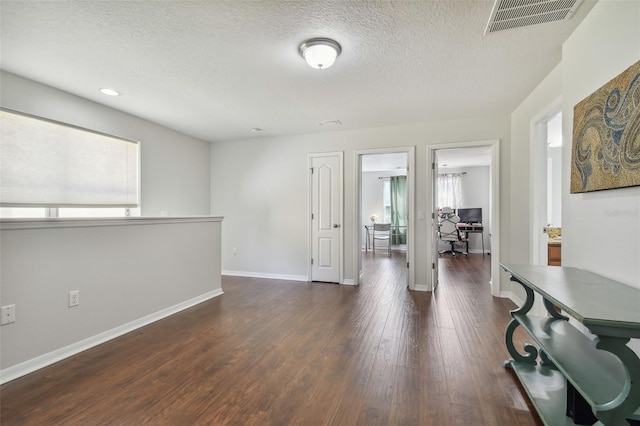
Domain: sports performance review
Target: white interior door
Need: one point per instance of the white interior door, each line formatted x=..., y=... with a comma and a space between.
x=326, y=217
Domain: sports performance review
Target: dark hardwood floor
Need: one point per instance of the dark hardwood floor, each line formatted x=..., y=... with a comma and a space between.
x=271, y=352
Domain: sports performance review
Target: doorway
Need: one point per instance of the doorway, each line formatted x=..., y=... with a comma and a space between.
x=384, y=199
x=477, y=163
x=546, y=191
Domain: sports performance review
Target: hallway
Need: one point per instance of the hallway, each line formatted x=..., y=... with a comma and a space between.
x=273, y=352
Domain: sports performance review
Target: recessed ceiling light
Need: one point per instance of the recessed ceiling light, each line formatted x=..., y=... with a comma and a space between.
x=256, y=129
x=109, y=92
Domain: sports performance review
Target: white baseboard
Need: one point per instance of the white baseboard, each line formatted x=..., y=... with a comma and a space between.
x=19, y=370
x=479, y=251
x=511, y=295
x=265, y=275
x=421, y=287
x=348, y=282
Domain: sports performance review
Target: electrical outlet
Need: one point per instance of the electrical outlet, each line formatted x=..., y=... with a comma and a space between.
x=7, y=314
x=234, y=251
x=74, y=298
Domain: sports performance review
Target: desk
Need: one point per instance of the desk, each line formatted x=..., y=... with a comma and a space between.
x=369, y=228
x=472, y=228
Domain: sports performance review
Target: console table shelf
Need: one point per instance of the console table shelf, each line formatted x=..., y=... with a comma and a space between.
x=604, y=370
x=547, y=390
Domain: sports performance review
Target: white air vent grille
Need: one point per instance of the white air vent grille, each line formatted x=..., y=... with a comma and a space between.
x=508, y=14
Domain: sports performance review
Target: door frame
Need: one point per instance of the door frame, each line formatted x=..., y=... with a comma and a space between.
x=357, y=231
x=538, y=182
x=311, y=156
x=494, y=204
x=435, y=220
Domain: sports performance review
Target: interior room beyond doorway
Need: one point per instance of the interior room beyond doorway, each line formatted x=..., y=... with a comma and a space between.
x=463, y=206
x=384, y=203
x=464, y=188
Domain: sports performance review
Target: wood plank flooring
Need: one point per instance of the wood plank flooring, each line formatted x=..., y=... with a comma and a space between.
x=272, y=352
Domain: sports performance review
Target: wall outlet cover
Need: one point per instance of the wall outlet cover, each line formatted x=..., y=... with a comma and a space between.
x=74, y=298
x=7, y=314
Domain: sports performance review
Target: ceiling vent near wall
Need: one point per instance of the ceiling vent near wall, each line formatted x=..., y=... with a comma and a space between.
x=508, y=14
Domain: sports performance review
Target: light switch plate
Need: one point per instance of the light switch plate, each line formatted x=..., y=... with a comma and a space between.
x=7, y=314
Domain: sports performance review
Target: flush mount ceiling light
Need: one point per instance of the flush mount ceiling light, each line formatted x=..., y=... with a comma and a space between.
x=109, y=92
x=320, y=53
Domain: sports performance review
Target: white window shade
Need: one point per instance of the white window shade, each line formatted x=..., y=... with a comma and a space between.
x=46, y=163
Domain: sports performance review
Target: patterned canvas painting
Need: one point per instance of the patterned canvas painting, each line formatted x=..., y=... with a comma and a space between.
x=606, y=136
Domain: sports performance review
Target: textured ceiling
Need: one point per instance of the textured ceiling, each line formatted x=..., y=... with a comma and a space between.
x=216, y=69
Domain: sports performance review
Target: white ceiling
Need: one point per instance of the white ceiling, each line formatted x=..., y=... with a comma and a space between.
x=216, y=69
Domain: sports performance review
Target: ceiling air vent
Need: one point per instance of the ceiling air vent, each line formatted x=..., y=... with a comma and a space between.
x=508, y=14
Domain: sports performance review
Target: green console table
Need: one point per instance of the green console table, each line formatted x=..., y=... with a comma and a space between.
x=604, y=370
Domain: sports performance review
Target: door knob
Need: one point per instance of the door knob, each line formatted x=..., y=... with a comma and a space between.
x=335, y=225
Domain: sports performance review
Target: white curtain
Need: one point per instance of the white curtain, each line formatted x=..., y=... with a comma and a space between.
x=450, y=190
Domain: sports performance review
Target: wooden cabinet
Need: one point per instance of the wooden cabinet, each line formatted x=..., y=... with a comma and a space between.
x=554, y=254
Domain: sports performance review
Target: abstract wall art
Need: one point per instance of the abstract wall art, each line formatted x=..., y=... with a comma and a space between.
x=606, y=136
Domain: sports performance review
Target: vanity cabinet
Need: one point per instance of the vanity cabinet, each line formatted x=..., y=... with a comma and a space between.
x=554, y=253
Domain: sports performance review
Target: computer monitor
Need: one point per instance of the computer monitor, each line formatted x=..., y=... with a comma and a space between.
x=472, y=215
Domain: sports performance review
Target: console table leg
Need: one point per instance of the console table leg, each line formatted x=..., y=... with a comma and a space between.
x=528, y=303
x=615, y=412
x=552, y=310
x=532, y=351
x=545, y=361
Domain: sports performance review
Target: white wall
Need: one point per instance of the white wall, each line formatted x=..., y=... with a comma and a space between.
x=523, y=175
x=174, y=167
x=129, y=272
x=372, y=195
x=554, y=184
x=123, y=273
x=600, y=230
x=605, y=44
x=261, y=188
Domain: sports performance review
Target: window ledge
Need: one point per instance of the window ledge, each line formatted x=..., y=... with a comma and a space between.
x=49, y=223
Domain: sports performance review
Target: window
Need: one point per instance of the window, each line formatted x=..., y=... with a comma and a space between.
x=68, y=212
x=23, y=212
x=51, y=169
x=450, y=190
x=386, y=200
x=98, y=212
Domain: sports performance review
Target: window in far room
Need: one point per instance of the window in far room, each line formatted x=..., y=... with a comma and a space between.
x=386, y=200
x=50, y=169
x=450, y=190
